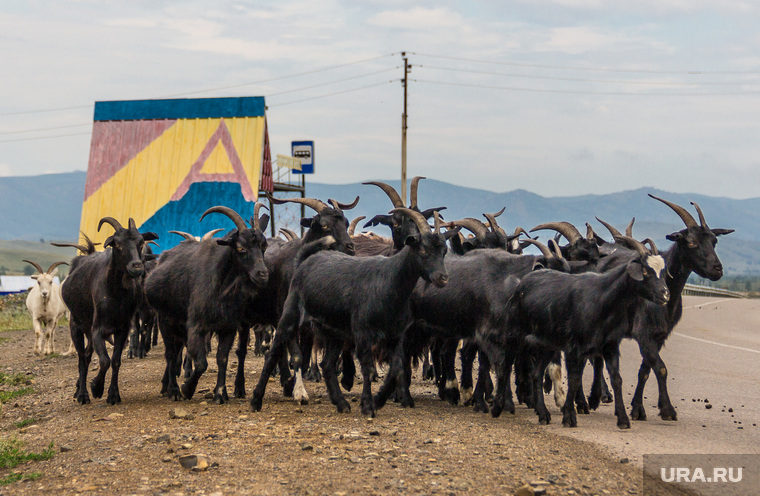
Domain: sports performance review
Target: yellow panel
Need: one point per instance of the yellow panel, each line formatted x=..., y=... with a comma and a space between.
x=148, y=182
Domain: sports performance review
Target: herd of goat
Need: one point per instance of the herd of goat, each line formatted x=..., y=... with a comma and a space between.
x=423, y=292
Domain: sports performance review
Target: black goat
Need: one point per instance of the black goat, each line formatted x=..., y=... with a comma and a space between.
x=362, y=299
x=693, y=250
x=484, y=279
x=280, y=261
x=578, y=249
x=144, y=322
x=582, y=315
x=102, y=291
x=204, y=287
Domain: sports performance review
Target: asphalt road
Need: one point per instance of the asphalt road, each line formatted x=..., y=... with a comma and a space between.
x=713, y=354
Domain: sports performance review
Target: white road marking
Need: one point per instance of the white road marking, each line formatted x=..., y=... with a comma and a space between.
x=717, y=344
x=709, y=303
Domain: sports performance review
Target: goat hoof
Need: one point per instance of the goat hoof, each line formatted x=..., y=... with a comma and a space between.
x=638, y=412
x=481, y=406
x=624, y=424
x=668, y=413
x=593, y=401
x=452, y=396
x=83, y=399
x=113, y=399
x=582, y=409
x=288, y=386
x=97, y=389
x=607, y=398
x=256, y=402
x=343, y=406
x=187, y=391
x=239, y=393
x=407, y=402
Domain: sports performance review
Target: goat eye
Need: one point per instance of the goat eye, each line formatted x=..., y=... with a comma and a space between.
x=691, y=245
x=240, y=249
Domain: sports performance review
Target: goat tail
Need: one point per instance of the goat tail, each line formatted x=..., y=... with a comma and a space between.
x=313, y=247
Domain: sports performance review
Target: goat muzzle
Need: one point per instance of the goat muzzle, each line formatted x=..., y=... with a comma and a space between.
x=135, y=269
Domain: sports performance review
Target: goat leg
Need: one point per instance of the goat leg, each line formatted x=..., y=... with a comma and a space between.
x=244, y=336
x=612, y=359
x=329, y=371
x=104, y=362
x=226, y=339
x=120, y=339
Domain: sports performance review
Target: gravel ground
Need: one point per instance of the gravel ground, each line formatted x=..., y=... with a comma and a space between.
x=135, y=447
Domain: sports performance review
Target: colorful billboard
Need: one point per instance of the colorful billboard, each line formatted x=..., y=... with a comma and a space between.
x=164, y=162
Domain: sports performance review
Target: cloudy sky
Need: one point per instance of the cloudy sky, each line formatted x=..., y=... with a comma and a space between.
x=558, y=97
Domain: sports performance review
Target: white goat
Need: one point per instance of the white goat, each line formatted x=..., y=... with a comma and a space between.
x=46, y=307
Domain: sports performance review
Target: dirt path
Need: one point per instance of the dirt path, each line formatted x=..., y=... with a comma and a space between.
x=133, y=448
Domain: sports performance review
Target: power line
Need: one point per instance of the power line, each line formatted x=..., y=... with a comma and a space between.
x=580, y=68
x=44, y=129
x=332, y=82
x=580, y=92
x=586, y=80
x=282, y=77
x=44, y=137
x=333, y=94
x=45, y=110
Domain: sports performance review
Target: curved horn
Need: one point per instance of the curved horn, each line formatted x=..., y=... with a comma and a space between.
x=288, y=234
x=544, y=249
x=629, y=228
x=564, y=228
x=652, y=247
x=492, y=219
x=312, y=203
x=520, y=230
x=344, y=206
x=185, y=235
x=633, y=244
x=353, y=224
x=36, y=266
x=413, y=191
x=589, y=232
x=611, y=229
x=555, y=247
x=437, y=221
x=256, y=209
x=417, y=217
x=234, y=216
x=392, y=193
x=109, y=220
x=473, y=225
x=55, y=264
x=682, y=213
x=701, y=215
x=210, y=234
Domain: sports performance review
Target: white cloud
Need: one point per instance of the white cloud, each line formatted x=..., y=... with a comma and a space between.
x=416, y=18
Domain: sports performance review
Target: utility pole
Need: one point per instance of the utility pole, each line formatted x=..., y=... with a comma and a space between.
x=404, y=83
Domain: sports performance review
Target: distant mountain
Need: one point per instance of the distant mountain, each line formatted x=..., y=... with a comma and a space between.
x=49, y=207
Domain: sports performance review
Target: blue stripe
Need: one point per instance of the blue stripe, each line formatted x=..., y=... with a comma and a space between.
x=184, y=215
x=184, y=108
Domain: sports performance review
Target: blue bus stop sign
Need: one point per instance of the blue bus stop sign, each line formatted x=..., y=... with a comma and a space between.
x=305, y=151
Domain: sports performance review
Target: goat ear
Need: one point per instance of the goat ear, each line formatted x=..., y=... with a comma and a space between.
x=108, y=242
x=539, y=265
x=674, y=236
x=635, y=271
x=451, y=233
x=149, y=236
x=429, y=212
x=228, y=240
x=306, y=222
x=151, y=256
x=263, y=222
x=412, y=240
x=721, y=232
x=35, y=276
x=385, y=220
